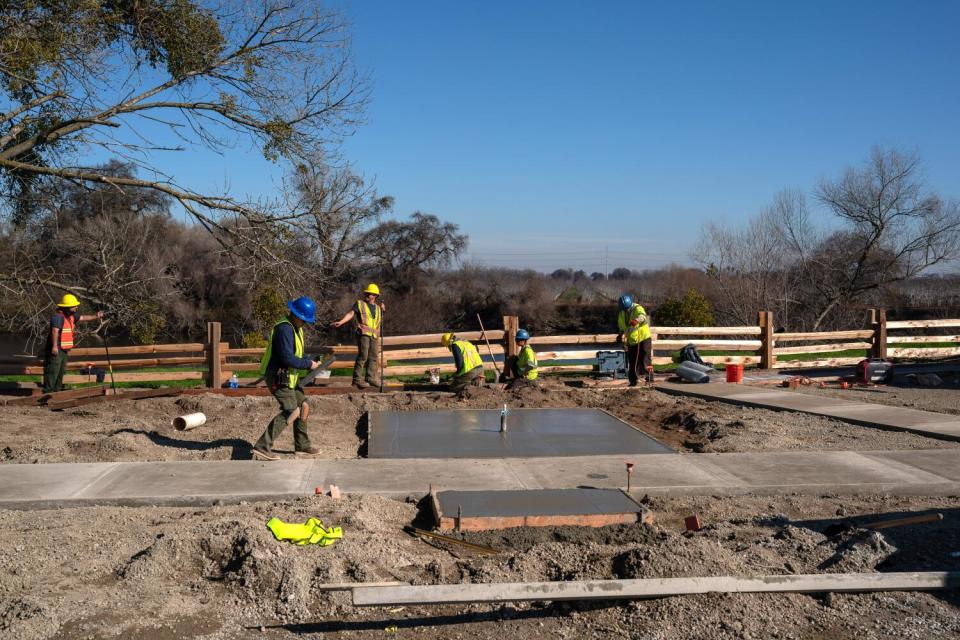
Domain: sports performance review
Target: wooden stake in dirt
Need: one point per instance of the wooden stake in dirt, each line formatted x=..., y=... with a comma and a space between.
x=652, y=588
x=489, y=348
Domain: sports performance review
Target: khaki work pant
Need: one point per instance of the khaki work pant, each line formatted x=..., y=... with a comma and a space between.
x=290, y=400
x=53, y=369
x=368, y=351
x=459, y=383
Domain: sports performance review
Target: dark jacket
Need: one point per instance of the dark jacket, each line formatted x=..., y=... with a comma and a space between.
x=283, y=352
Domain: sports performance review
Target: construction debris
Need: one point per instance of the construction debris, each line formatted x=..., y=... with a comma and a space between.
x=189, y=421
x=420, y=533
x=849, y=525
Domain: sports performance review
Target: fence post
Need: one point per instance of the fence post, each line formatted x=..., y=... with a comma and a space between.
x=878, y=320
x=511, y=324
x=214, y=372
x=767, y=359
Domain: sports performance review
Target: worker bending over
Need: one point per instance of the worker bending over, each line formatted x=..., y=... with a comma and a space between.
x=60, y=340
x=367, y=316
x=281, y=365
x=522, y=369
x=467, y=360
x=634, y=329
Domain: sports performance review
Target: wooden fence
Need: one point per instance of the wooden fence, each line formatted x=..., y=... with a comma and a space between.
x=214, y=361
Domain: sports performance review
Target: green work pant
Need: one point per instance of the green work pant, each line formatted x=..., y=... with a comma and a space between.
x=53, y=369
x=368, y=350
x=459, y=383
x=290, y=400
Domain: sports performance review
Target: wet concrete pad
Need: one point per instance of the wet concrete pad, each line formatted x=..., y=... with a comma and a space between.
x=530, y=433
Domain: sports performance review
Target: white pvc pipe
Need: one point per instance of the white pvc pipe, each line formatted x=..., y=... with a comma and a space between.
x=189, y=421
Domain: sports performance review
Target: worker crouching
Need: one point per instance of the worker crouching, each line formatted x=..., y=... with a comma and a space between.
x=634, y=329
x=522, y=369
x=467, y=360
x=282, y=365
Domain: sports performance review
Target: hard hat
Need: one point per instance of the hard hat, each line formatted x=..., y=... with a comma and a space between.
x=447, y=339
x=69, y=300
x=303, y=308
x=372, y=288
x=625, y=301
x=522, y=334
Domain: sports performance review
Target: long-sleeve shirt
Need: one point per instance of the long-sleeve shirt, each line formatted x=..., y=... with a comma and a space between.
x=284, y=350
x=457, y=356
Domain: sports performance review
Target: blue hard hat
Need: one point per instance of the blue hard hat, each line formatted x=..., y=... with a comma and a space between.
x=625, y=301
x=522, y=334
x=303, y=308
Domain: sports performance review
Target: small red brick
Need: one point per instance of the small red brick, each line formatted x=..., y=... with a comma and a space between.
x=692, y=523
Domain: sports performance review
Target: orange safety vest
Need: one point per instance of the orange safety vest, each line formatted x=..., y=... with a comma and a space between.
x=66, y=333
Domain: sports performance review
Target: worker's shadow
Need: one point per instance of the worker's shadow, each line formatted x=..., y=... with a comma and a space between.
x=929, y=546
x=240, y=449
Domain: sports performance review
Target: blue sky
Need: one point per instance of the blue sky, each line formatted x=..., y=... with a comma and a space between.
x=553, y=132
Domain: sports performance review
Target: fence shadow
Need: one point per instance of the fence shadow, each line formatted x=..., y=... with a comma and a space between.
x=240, y=449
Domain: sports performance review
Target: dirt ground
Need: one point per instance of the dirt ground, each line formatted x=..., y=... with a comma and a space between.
x=163, y=573
x=142, y=430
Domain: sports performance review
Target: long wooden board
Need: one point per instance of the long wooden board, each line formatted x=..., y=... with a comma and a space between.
x=924, y=353
x=652, y=588
x=923, y=324
x=824, y=335
x=130, y=395
x=822, y=348
x=921, y=339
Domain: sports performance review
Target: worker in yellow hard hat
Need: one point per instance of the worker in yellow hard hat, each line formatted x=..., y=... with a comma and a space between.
x=60, y=339
x=367, y=316
x=467, y=360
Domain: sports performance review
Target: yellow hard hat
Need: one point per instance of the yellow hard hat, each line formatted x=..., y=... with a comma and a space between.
x=447, y=339
x=372, y=288
x=68, y=301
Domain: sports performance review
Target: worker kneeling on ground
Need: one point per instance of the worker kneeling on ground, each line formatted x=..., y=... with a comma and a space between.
x=281, y=366
x=635, y=333
x=367, y=316
x=60, y=340
x=522, y=369
x=467, y=360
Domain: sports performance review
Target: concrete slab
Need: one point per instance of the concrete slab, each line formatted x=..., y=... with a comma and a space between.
x=926, y=423
x=930, y=472
x=484, y=510
x=530, y=432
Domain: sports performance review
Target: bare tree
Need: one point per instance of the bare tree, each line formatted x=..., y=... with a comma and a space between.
x=80, y=74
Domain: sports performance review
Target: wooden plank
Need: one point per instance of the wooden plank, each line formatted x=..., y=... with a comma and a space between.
x=653, y=588
x=707, y=331
x=809, y=364
x=755, y=359
x=566, y=368
x=129, y=395
x=823, y=348
x=138, y=349
x=921, y=339
x=924, y=324
x=924, y=353
x=70, y=394
x=147, y=376
x=718, y=345
x=604, y=338
x=434, y=338
x=213, y=345
x=861, y=334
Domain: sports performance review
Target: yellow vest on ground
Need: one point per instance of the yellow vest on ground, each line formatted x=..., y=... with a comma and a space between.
x=298, y=351
x=471, y=357
x=368, y=324
x=637, y=333
x=527, y=363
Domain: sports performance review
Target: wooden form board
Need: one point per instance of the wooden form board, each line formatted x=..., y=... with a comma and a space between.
x=652, y=588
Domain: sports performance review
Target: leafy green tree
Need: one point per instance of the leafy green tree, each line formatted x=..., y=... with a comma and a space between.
x=690, y=310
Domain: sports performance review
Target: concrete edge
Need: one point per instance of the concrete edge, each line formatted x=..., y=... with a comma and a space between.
x=771, y=407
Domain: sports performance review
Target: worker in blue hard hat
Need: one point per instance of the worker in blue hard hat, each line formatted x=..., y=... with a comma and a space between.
x=282, y=365
x=522, y=369
x=634, y=332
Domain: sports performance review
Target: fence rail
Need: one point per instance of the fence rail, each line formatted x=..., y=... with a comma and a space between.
x=214, y=361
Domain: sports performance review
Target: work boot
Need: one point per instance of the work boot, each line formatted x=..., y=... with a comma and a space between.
x=263, y=454
x=360, y=384
x=309, y=452
x=373, y=383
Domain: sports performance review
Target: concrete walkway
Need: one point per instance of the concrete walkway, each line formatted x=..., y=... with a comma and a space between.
x=925, y=423
x=923, y=472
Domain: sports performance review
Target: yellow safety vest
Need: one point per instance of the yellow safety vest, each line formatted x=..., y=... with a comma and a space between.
x=298, y=351
x=368, y=324
x=527, y=358
x=471, y=358
x=634, y=334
